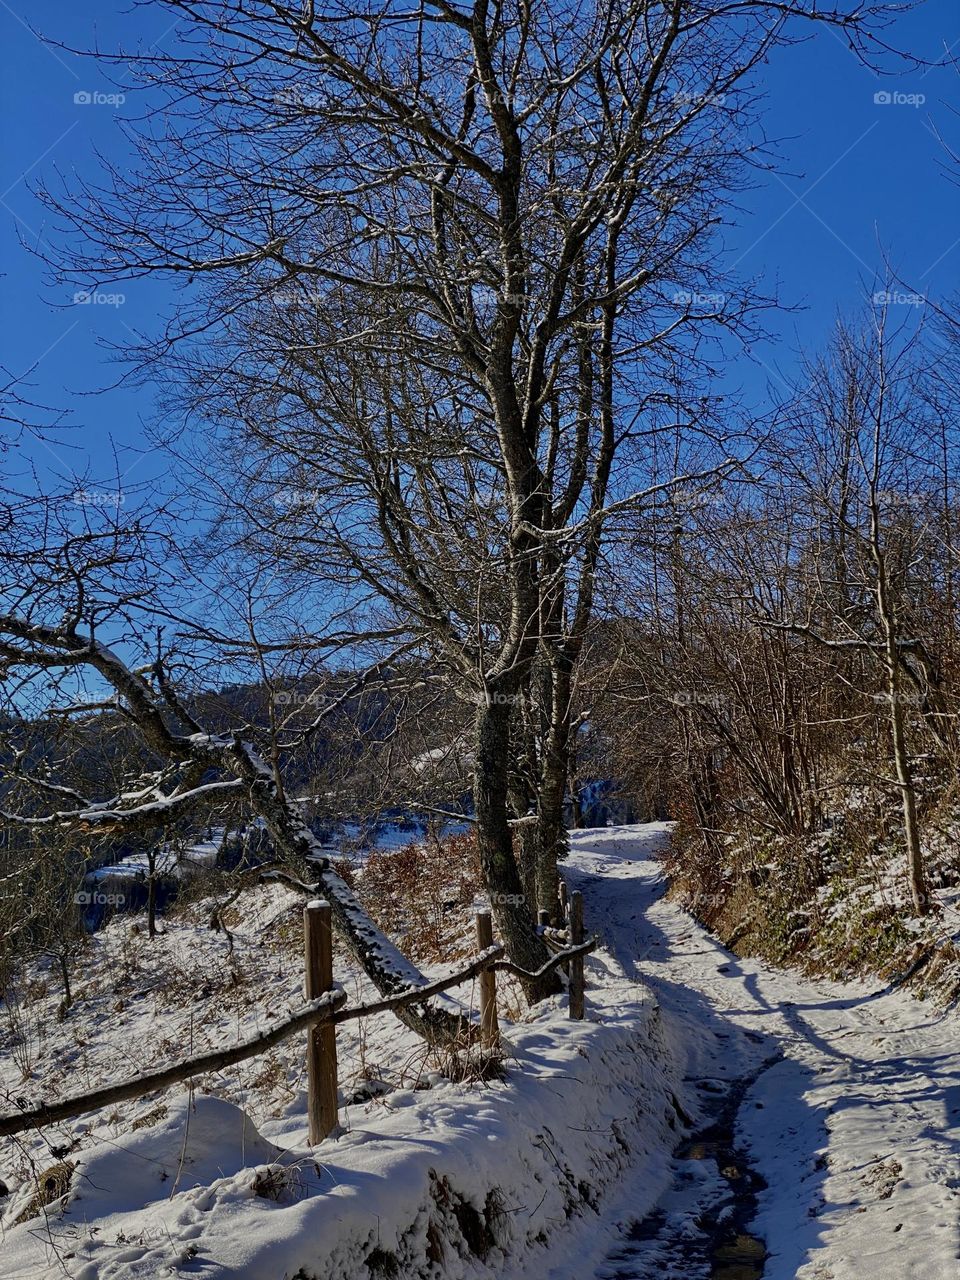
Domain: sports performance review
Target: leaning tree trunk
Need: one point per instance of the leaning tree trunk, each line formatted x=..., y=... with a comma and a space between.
x=381, y=960
x=513, y=914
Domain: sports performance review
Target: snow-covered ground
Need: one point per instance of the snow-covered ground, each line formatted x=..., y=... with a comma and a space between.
x=853, y=1121
x=426, y=1175
x=856, y=1130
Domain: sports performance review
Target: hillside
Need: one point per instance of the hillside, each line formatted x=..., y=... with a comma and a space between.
x=605, y=1149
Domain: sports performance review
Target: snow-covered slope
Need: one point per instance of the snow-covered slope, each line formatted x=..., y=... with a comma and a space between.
x=853, y=1121
x=459, y=1180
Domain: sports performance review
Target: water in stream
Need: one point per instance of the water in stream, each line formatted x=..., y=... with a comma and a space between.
x=701, y=1230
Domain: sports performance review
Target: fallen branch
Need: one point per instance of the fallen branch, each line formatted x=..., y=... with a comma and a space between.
x=421, y=993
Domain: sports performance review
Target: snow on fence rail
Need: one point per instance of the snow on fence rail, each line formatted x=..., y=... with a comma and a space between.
x=324, y=1011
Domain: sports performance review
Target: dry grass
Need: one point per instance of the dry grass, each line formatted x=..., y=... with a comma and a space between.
x=151, y=1117
x=278, y=1183
x=52, y=1185
x=422, y=895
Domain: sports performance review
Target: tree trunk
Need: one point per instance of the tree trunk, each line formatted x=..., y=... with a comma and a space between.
x=521, y=798
x=908, y=793
x=527, y=839
x=151, y=894
x=65, y=978
x=512, y=912
x=908, y=800
x=381, y=960
x=552, y=841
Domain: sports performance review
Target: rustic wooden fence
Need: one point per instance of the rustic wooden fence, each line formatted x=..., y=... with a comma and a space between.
x=324, y=1011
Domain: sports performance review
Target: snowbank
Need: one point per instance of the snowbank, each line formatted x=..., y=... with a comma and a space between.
x=463, y=1180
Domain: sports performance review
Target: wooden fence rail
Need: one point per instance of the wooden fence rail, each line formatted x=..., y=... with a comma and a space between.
x=321, y=1016
x=137, y=1086
x=555, y=962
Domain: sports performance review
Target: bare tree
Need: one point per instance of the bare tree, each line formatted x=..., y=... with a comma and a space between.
x=75, y=642
x=867, y=469
x=490, y=228
x=786, y=649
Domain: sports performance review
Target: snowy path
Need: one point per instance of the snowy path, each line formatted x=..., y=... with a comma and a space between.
x=856, y=1130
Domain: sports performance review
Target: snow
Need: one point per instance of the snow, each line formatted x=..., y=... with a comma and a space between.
x=853, y=1120
x=169, y=861
x=193, y=1146
x=526, y=1158
x=856, y=1130
x=356, y=840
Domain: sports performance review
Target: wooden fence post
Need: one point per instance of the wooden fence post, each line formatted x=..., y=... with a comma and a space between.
x=563, y=914
x=576, y=962
x=543, y=917
x=489, y=1026
x=321, y=1039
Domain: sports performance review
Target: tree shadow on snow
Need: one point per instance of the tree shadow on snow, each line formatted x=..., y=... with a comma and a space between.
x=715, y=1055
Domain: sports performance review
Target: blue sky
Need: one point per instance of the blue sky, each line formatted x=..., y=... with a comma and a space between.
x=859, y=179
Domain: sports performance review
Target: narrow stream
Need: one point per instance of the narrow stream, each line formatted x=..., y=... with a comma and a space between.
x=702, y=1228
x=733, y=1253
